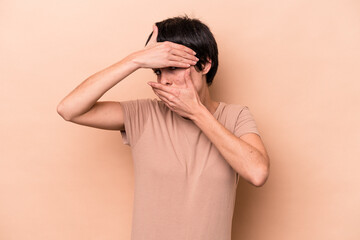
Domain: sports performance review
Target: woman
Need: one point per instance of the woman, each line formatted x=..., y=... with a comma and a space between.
x=189, y=151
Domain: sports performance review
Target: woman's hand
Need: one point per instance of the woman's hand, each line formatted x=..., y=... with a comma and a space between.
x=164, y=54
x=184, y=101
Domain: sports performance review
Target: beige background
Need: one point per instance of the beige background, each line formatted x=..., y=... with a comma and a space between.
x=294, y=63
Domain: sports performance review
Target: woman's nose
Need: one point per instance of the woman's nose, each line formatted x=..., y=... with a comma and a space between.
x=165, y=80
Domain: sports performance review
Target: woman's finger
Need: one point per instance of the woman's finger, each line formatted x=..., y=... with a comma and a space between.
x=162, y=97
x=182, y=48
x=188, y=79
x=154, y=35
x=169, y=91
x=164, y=94
x=181, y=59
x=183, y=54
x=177, y=64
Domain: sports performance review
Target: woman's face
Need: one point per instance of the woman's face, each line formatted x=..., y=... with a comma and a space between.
x=173, y=76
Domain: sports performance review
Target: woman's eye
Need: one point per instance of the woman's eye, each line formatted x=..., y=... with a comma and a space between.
x=172, y=68
x=157, y=72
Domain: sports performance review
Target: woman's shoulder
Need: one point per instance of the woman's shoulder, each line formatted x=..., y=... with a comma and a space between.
x=154, y=105
x=233, y=106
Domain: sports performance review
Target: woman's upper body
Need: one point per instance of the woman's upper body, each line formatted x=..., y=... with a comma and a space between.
x=209, y=144
x=183, y=54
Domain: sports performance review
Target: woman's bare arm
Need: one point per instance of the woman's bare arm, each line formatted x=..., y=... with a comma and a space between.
x=81, y=104
x=83, y=97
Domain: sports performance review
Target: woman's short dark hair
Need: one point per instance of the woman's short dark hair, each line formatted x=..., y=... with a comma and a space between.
x=193, y=34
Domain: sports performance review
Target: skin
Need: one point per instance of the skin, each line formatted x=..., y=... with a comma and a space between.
x=176, y=78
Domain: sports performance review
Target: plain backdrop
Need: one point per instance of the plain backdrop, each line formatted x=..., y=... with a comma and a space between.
x=295, y=64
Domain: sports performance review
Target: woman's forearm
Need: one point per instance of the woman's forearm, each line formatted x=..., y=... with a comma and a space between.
x=84, y=96
x=154, y=55
x=244, y=158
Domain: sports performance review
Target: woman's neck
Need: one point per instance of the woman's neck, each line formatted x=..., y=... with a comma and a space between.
x=206, y=100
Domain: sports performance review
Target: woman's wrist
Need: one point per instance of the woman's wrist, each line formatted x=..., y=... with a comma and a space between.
x=134, y=59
